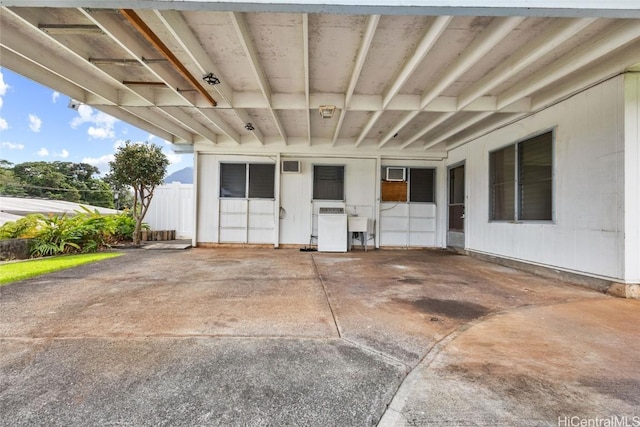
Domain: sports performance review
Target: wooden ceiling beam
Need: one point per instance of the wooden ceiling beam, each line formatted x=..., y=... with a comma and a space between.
x=152, y=38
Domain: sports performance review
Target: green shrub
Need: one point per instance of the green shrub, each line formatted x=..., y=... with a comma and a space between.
x=57, y=235
x=23, y=228
x=87, y=231
x=124, y=226
x=94, y=230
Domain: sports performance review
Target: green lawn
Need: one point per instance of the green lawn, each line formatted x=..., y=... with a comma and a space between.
x=14, y=271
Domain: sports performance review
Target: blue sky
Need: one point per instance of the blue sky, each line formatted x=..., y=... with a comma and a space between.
x=37, y=125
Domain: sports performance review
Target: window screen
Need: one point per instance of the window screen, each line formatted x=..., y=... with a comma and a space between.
x=328, y=182
x=261, y=181
x=502, y=183
x=233, y=179
x=421, y=185
x=535, y=178
x=531, y=162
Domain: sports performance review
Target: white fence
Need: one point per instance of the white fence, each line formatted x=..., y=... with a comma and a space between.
x=172, y=209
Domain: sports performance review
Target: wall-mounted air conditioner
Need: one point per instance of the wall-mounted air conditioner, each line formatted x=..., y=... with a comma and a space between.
x=395, y=174
x=291, y=166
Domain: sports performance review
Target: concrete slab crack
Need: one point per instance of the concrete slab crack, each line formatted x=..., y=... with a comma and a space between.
x=326, y=295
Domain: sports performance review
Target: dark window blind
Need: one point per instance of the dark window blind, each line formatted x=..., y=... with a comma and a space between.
x=328, y=182
x=421, y=185
x=535, y=178
x=261, y=181
x=233, y=179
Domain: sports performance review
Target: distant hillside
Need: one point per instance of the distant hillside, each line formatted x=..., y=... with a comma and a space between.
x=184, y=176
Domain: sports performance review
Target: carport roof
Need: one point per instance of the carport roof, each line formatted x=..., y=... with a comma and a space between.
x=406, y=78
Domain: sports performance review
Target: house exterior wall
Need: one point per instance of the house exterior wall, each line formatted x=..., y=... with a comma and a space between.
x=588, y=231
x=414, y=224
x=632, y=177
x=301, y=219
x=292, y=217
x=221, y=220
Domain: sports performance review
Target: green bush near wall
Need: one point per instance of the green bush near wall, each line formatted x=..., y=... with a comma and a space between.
x=85, y=232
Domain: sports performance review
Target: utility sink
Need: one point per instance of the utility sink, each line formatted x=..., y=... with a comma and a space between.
x=360, y=224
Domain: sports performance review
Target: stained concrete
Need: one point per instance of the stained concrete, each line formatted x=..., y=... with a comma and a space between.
x=283, y=337
x=539, y=366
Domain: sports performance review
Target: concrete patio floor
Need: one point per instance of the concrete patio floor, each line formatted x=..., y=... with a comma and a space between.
x=258, y=337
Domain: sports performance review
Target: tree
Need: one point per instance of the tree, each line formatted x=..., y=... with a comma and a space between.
x=98, y=193
x=142, y=167
x=121, y=193
x=73, y=182
x=46, y=180
x=9, y=184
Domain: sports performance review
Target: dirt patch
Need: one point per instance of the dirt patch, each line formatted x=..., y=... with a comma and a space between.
x=450, y=308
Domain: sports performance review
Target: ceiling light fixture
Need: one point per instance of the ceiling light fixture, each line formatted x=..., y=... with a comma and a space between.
x=249, y=127
x=211, y=79
x=326, y=111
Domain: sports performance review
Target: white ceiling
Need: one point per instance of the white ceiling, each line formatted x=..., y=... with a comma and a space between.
x=414, y=84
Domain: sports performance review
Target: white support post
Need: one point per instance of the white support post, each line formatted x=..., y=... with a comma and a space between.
x=276, y=208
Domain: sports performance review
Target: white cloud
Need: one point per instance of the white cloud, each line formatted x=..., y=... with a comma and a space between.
x=54, y=96
x=102, y=124
x=3, y=85
x=3, y=91
x=12, y=146
x=43, y=152
x=173, y=157
x=63, y=154
x=101, y=162
x=85, y=114
x=100, y=132
x=34, y=123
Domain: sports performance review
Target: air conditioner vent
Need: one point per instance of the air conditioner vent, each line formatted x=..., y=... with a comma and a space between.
x=291, y=166
x=395, y=174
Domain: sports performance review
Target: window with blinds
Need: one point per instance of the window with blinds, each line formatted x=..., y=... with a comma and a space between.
x=535, y=178
x=521, y=180
x=261, y=181
x=502, y=181
x=257, y=180
x=328, y=182
x=233, y=179
x=421, y=185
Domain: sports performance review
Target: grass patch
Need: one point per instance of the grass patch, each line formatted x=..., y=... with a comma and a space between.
x=20, y=270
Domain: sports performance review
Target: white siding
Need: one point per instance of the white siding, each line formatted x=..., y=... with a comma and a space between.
x=588, y=232
x=415, y=224
x=207, y=215
x=254, y=221
x=632, y=178
x=408, y=224
x=300, y=221
x=172, y=209
x=229, y=220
